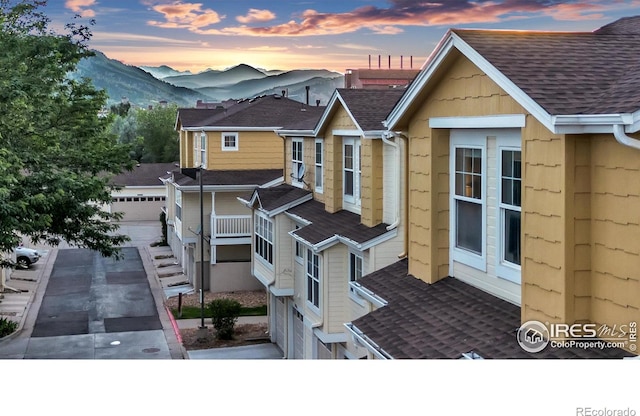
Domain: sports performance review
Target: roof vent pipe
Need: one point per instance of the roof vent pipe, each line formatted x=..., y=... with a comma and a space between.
x=622, y=138
x=307, y=88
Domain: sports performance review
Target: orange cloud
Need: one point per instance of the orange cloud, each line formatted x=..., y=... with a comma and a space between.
x=81, y=7
x=389, y=21
x=256, y=15
x=185, y=15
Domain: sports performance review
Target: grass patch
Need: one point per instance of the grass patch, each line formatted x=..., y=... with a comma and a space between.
x=193, y=312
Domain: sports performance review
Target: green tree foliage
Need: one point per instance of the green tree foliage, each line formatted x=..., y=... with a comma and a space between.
x=125, y=128
x=121, y=109
x=160, y=139
x=56, y=154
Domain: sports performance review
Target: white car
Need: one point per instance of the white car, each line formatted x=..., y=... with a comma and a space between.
x=25, y=256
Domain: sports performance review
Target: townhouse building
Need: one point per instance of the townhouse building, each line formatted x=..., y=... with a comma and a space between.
x=338, y=216
x=235, y=150
x=523, y=198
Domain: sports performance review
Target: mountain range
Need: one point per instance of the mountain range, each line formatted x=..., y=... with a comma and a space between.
x=145, y=86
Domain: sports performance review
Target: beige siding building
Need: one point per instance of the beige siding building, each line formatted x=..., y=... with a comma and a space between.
x=341, y=216
x=522, y=200
x=234, y=149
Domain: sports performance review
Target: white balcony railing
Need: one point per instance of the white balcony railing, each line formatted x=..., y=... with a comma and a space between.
x=231, y=226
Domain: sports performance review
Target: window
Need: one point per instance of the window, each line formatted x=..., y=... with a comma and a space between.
x=352, y=171
x=203, y=150
x=355, y=267
x=319, y=171
x=468, y=215
x=313, y=278
x=509, y=211
x=179, y=205
x=264, y=238
x=229, y=141
x=297, y=163
x=299, y=249
x=468, y=199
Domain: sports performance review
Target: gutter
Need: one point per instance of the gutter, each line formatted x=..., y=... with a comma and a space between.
x=623, y=139
x=360, y=338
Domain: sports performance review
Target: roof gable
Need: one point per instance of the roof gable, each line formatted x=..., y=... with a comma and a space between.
x=551, y=74
x=367, y=108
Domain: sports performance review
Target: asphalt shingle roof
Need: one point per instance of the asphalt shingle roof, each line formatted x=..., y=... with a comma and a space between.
x=325, y=225
x=229, y=177
x=265, y=111
x=569, y=72
x=279, y=196
x=448, y=318
x=144, y=174
x=370, y=107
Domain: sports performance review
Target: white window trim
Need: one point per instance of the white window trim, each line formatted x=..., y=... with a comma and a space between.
x=320, y=166
x=296, y=164
x=476, y=139
x=353, y=294
x=352, y=202
x=309, y=277
x=230, y=148
x=505, y=269
x=298, y=245
x=203, y=149
x=258, y=256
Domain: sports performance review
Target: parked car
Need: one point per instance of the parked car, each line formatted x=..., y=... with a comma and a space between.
x=25, y=256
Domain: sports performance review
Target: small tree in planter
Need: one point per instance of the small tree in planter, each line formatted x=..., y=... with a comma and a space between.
x=224, y=314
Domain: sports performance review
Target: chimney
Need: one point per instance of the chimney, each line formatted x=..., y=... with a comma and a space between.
x=401, y=62
x=379, y=62
x=389, y=61
x=369, y=61
x=317, y=103
x=411, y=61
x=307, y=88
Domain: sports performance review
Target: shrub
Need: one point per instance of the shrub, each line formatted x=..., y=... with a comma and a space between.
x=224, y=314
x=7, y=327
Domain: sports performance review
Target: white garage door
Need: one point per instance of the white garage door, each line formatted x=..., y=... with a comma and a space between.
x=298, y=335
x=280, y=322
x=139, y=208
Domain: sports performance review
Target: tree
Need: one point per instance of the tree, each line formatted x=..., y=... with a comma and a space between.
x=157, y=128
x=56, y=155
x=125, y=128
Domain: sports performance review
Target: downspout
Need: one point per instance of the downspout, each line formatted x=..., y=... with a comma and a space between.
x=400, y=136
x=622, y=138
x=396, y=146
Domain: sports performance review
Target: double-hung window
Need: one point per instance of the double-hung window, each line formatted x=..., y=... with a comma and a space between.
x=319, y=164
x=352, y=173
x=299, y=249
x=179, y=205
x=203, y=150
x=297, y=162
x=229, y=142
x=468, y=204
x=264, y=238
x=355, y=267
x=509, y=211
x=313, y=278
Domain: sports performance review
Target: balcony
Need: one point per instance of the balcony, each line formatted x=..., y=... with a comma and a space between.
x=231, y=226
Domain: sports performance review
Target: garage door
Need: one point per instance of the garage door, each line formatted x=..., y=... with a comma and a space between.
x=280, y=322
x=138, y=208
x=298, y=335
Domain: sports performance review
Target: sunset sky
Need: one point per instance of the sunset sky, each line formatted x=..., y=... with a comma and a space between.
x=329, y=34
